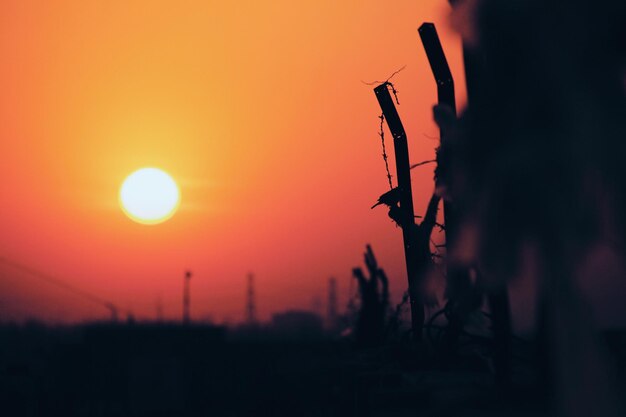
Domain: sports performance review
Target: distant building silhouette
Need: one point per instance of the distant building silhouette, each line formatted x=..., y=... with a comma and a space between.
x=297, y=324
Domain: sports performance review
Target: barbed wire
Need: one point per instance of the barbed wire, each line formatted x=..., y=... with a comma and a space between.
x=381, y=133
x=389, y=84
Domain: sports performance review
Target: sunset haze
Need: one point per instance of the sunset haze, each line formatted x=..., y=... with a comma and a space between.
x=260, y=112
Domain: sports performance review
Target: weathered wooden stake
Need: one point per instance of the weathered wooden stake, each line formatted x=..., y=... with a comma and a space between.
x=498, y=300
x=445, y=95
x=458, y=280
x=403, y=171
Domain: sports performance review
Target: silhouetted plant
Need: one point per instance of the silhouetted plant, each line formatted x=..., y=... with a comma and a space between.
x=374, y=296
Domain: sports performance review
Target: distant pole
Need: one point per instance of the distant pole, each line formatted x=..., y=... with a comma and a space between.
x=113, y=311
x=332, y=303
x=403, y=171
x=159, y=310
x=316, y=305
x=186, y=298
x=251, y=302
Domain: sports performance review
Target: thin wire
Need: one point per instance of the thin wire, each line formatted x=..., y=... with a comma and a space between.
x=393, y=91
x=381, y=133
x=55, y=281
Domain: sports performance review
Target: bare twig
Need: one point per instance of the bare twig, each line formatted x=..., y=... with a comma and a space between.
x=423, y=163
x=387, y=80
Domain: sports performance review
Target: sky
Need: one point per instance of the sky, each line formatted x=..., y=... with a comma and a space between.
x=261, y=113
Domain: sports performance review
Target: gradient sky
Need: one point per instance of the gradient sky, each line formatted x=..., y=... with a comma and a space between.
x=257, y=109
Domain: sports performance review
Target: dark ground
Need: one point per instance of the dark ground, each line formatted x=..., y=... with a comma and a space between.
x=171, y=370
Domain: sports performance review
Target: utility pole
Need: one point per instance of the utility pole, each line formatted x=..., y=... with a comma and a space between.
x=407, y=220
x=251, y=302
x=332, y=303
x=113, y=309
x=159, y=310
x=316, y=305
x=186, y=298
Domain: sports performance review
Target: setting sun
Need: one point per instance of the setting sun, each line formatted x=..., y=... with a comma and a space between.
x=259, y=119
x=149, y=196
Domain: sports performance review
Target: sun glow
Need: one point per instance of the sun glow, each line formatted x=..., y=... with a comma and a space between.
x=149, y=196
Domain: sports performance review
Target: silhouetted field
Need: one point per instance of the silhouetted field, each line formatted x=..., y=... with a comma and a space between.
x=201, y=370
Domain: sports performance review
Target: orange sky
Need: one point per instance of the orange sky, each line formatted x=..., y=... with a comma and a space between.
x=258, y=111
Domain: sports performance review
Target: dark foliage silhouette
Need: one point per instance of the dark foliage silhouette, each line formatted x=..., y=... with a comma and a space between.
x=374, y=296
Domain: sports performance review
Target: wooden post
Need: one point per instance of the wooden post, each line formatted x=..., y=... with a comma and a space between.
x=457, y=279
x=403, y=172
x=445, y=95
x=498, y=300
